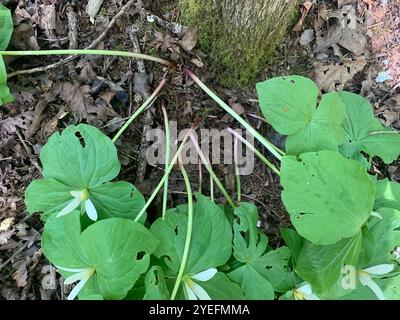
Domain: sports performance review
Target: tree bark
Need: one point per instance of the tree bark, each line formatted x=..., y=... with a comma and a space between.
x=239, y=35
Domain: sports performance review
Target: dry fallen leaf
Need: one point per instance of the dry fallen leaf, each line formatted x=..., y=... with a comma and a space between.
x=344, y=30
x=189, y=40
x=6, y=224
x=304, y=9
x=93, y=8
x=330, y=77
x=21, y=273
x=22, y=121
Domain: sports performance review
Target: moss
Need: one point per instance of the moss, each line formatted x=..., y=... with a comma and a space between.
x=235, y=57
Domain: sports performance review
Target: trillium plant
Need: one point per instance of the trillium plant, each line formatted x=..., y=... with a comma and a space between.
x=344, y=240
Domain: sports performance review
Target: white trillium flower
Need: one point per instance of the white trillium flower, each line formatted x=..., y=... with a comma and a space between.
x=195, y=291
x=396, y=253
x=304, y=293
x=81, y=275
x=80, y=196
x=365, y=277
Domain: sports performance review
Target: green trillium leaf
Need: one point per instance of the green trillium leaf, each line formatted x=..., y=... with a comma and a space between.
x=387, y=194
x=117, y=249
x=290, y=105
x=323, y=132
x=363, y=132
x=327, y=196
x=294, y=242
x=261, y=272
x=211, y=237
x=5, y=95
x=155, y=285
x=82, y=158
x=320, y=265
x=386, y=232
x=6, y=29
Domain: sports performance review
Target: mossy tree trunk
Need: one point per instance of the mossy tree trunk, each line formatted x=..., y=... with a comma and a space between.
x=238, y=35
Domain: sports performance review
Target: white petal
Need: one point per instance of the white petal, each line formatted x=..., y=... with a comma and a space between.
x=189, y=292
x=74, y=292
x=69, y=207
x=205, y=275
x=77, y=194
x=311, y=296
x=380, y=269
x=200, y=292
x=366, y=280
x=376, y=214
x=75, y=277
x=305, y=289
x=90, y=210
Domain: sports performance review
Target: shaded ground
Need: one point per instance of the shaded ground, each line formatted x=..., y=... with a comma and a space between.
x=104, y=90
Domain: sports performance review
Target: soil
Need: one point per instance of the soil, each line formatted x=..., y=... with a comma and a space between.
x=103, y=90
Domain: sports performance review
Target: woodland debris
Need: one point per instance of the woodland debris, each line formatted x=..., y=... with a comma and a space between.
x=331, y=77
x=93, y=8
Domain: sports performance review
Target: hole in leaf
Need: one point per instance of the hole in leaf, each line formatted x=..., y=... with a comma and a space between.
x=268, y=267
x=81, y=139
x=176, y=230
x=140, y=255
x=156, y=278
x=292, y=81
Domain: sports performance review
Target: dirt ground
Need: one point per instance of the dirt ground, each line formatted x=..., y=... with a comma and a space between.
x=104, y=91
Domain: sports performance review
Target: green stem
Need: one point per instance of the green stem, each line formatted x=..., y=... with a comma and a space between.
x=211, y=172
x=211, y=189
x=258, y=153
x=166, y=175
x=259, y=137
x=87, y=52
x=383, y=132
x=188, y=239
x=167, y=155
x=237, y=172
x=148, y=102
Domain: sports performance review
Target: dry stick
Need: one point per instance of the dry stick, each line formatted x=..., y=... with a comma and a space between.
x=147, y=118
x=91, y=46
x=72, y=28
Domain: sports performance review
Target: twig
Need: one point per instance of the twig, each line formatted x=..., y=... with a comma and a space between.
x=147, y=116
x=72, y=29
x=28, y=151
x=91, y=46
x=2, y=266
x=176, y=28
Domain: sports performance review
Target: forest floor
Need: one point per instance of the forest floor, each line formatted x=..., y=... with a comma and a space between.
x=343, y=44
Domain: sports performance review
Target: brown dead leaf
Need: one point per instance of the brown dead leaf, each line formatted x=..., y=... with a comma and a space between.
x=21, y=272
x=344, y=30
x=22, y=121
x=48, y=18
x=189, y=40
x=165, y=43
x=141, y=84
x=331, y=77
x=197, y=62
x=4, y=236
x=6, y=224
x=304, y=9
x=49, y=279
